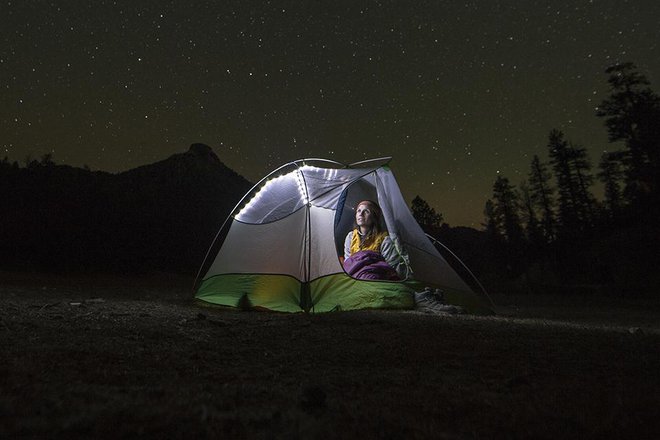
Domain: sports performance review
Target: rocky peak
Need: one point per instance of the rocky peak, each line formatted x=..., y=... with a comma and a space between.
x=203, y=151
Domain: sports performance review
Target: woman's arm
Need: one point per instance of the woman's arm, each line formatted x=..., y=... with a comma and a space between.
x=347, y=245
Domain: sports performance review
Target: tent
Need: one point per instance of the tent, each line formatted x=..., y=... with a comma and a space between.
x=280, y=248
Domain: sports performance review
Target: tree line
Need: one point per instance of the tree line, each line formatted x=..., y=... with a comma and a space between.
x=550, y=229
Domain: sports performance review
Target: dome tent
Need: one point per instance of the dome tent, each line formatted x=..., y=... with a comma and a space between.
x=280, y=248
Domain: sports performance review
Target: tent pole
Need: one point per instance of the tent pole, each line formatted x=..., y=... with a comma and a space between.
x=305, y=293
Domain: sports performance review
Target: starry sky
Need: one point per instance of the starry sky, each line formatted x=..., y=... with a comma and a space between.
x=455, y=91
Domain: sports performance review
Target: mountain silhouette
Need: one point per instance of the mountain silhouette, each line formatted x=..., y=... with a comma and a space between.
x=161, y=216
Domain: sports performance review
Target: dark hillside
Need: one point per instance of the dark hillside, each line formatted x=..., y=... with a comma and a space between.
x=161, y=216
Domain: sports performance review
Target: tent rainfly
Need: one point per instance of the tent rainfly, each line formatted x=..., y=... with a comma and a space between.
x=280, y=248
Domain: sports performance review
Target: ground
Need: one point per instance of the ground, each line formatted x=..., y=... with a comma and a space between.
x=111, y=357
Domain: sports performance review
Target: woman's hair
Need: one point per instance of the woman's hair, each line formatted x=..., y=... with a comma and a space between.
x=376, y=216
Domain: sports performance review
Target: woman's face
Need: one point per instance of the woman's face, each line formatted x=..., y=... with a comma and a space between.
x=364, y=215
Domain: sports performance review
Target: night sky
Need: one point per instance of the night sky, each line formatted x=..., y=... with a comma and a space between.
x=456, y=91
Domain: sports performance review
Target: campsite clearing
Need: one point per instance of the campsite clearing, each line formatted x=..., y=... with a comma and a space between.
x=109, y=358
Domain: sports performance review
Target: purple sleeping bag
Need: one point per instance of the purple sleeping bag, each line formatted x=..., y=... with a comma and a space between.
x=369, y=265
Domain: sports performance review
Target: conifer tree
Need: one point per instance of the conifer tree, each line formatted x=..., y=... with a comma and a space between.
x=496, y=245
x=581, y=169
x=632, y=115
x=491, y=224
x=510, y=247
x=567, y=188
x=506, y=209
x=424, y=214
x=541, y=194
x=528, y=213
x=572, y=171
x=611, y=174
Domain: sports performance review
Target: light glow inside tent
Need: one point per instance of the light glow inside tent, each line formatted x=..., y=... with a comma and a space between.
x=300, y=180
x=273, y=184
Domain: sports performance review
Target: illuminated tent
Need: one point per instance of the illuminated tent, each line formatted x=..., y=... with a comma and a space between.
x=280, y=248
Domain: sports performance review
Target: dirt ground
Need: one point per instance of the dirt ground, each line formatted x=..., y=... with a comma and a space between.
x=107, y=357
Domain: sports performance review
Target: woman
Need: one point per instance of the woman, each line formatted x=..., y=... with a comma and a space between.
x=369, y=253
